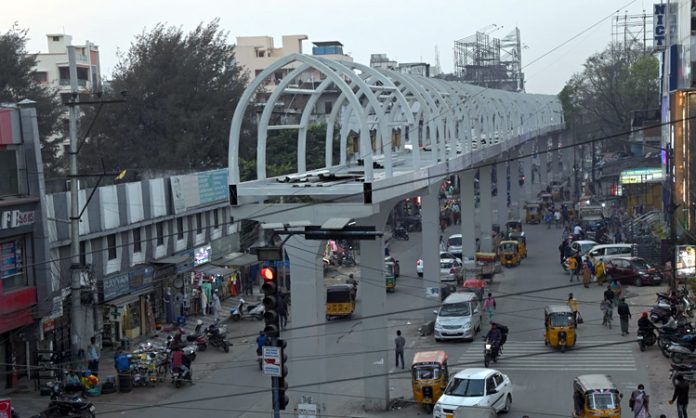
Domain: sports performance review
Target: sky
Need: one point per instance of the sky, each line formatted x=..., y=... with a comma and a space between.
x=406, y=30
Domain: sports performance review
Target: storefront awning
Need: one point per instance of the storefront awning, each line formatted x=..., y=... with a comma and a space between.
x=174, y=259
x=129, y=298
x=212, y=269
x=236, y=259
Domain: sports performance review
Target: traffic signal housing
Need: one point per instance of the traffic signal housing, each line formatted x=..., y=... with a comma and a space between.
x=270, y=301
x=282, y=384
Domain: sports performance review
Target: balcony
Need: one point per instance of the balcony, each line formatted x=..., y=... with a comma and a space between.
x=80, y=83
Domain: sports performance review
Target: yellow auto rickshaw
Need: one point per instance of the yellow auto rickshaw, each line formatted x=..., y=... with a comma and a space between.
x=533, y=215
x=389, y=276
x=521, y=243
x=546, y=199
x=513, y=226
x=560, y=327
x=508, y=253
x=595, y=395
x=429, y=377
x=340, y=301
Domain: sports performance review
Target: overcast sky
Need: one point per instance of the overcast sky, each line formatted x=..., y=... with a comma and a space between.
x=406, y=30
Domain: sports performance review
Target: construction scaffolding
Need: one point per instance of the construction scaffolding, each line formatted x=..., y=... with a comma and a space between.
x=490, y=62
x=632, y=29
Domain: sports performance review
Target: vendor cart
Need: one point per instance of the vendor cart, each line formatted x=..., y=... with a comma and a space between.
x=485, y=265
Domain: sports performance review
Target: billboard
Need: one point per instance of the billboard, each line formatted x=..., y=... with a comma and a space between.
x=199, y=189
x=685, y=262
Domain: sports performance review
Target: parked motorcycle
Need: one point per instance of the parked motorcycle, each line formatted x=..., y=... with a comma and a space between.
x=683, y=350
x=688, y=371
x=216, y=338
x=400, y=233
x=646, y=338
x=62, y=405
x=662, y=312
x=346, y=259
x=244, y=310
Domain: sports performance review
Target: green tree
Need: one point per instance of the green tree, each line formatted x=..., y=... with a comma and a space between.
x=182, y=90
x=614, y=82
x=17, y=83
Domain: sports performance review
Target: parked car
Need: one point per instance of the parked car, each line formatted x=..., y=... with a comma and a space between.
x=454, y=244
x=451, y=270
x=443, y=255
x=582, y=246
x=475, y=387
x=633, y=270
x=608, y=251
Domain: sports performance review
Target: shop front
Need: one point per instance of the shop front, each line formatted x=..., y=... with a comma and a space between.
x=244, y=269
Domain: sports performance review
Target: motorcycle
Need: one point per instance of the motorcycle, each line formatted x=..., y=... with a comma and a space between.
x=243, y=310
x=180, y=377
x=400, y=233
x=687, y=371
x=646, y=338
x=490, y=353
x=62, y=405
x=216, y=338
x=189, y=350
x=662, y=312
x=347, y=259
x=683, y=350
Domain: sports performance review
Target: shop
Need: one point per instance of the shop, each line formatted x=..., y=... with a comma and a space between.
x=244, y=269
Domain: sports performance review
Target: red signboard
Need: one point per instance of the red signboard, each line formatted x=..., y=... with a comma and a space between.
x=5, y=408
x=6, y=136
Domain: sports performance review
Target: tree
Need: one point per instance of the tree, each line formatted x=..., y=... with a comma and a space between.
x=182, y=90
x=621, y=79
x=17, y=83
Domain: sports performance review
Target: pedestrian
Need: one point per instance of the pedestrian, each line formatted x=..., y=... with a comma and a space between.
x=573, y=268
x=669, y=277
x=607, y=307
x=563, y=248
x=557, y=218
x=600, y=272
x=93, y=356
x=639, y=403
x=617, y=289
x=586, y=275
x=573, y=305
x=399, y=343
x=283, y=312
x=456, y=213
x=624, y=315
x=681, y=395
x=489, y=306
x=216, y=306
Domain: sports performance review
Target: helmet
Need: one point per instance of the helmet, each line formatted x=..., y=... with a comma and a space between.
x=199, y=322
x=644, y=315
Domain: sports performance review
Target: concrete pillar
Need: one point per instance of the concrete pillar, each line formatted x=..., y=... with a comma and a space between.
x=375, y=334
x=528, y=194
x=502, y=192
x=555, y=159
x=308, y=297
x=543, y=162
x=430, y=218
x=485, y=206
x=515, y=201
x=468, y=206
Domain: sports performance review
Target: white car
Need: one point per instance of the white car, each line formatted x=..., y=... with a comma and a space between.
x=475, y=387
x=454, y=244
x=443, y=256
x=582, y=246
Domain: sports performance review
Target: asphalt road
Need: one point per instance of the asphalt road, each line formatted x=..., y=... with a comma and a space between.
x=542, y=378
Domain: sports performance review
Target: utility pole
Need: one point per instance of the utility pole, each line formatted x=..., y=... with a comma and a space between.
x=76, y=323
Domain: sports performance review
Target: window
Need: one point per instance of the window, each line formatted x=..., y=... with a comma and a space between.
x=10, y=183
x=465, y=387
x=12, y=259
x=199, y=223
x=159, y=227
x=137, y=241
x=216, y=220
x=83, y=253
x=490, y=385
x=111, y=246
x=180, y=228
x=40, y=77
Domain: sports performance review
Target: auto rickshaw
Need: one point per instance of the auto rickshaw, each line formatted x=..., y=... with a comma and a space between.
x=521, y=241
x=546, y=199
x=595, y=395
x=485, y=265
x=533, y=215
x=340, y=301
x=390, y=279
x=429, y=377
x=560, y=327
x=513, y=226
x=476, y=286
x=508, y=252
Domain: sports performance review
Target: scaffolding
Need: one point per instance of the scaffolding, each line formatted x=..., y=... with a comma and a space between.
x=490, y=62
x=629, y=30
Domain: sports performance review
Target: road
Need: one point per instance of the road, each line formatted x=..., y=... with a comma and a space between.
x=542, y=378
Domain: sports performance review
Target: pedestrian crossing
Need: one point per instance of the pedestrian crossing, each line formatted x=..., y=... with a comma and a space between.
x=586, y=356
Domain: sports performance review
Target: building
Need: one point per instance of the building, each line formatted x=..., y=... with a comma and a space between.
x=26, y=294
x=382, y=62
x=255, y=53
x=52, y=70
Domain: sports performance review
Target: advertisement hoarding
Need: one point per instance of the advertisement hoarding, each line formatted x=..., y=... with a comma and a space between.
x=685, y=263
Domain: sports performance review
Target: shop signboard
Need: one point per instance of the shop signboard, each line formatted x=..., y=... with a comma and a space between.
x=5, y=408
x=141, y=277
x=193, y=190
x=16, y=218
x=307, y=410
x=201, y=255
x=641, y=175
x=685, y=262
x=114, y=287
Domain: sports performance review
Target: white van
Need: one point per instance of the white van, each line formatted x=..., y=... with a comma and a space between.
x=606, y=252
x=459, y=317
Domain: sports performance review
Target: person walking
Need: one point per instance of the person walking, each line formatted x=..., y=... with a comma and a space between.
x=586, y=275
x=639, y=403
x=563, y=249
x=216, y=306
x=93, y=356
x=399, y=344
x=681, y=395
x=617, y=289
x=573, y=268
x=573, y=305
x=624, y=315
x=489, y=306
x=607, y=307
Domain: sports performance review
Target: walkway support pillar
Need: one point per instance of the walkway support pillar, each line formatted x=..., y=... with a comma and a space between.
x=485, y=213
x=371, y=302
x=502, y=193
x=515, y=203
x=527, y=165
x=308, y=291
x=430, y=219
x=468, y=206
x=543, y=162
x=555, y=159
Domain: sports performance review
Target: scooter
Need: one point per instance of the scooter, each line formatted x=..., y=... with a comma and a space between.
x=646, y=338
x=243, y=310
x=197, y=337
x=62, y=405
x=662, y=312
x=683, y=350
x=216, y=338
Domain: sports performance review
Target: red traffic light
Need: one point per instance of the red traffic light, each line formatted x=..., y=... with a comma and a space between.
x=268, y=274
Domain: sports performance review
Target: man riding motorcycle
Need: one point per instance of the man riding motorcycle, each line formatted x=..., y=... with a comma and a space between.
x=181, y=365
x=495, y=338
